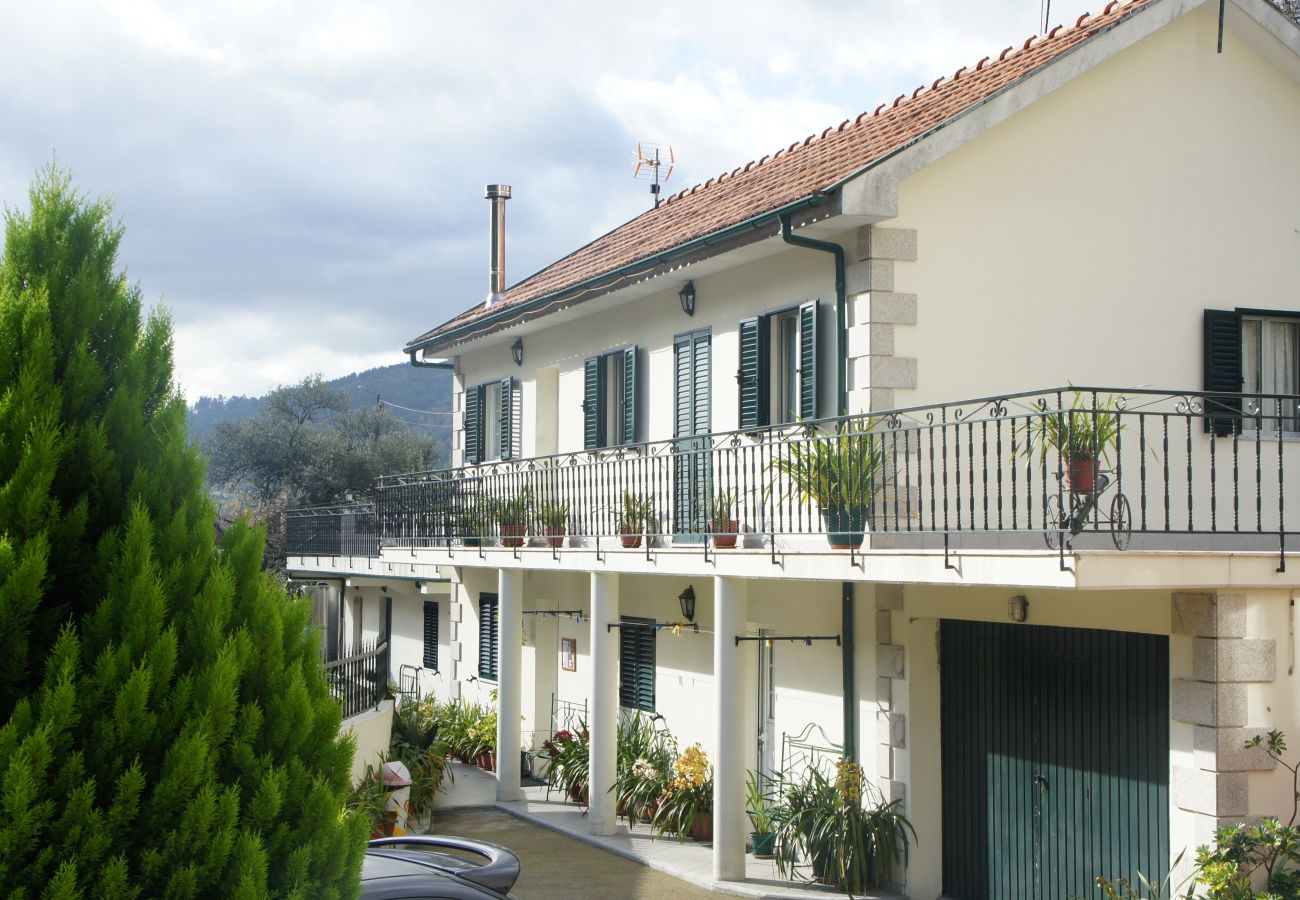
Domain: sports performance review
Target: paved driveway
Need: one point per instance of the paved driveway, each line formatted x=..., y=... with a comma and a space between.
x=558, y=866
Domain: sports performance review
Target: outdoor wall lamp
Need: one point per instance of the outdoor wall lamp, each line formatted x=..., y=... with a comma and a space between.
x=517, y=351
x=687, y=600
x=687, y=296
x=1018, y=608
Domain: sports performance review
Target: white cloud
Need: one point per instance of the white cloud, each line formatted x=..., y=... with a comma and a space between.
x=302, y=179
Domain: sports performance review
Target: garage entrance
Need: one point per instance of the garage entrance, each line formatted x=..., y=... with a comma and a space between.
x=1055, y=759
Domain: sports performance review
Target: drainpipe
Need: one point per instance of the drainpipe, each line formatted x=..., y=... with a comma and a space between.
x=847, y=625
x=841, y=303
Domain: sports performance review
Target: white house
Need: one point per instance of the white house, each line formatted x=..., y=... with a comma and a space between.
x=1056, y=680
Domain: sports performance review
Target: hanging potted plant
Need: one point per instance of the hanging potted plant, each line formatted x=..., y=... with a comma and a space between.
x=840, y=472
x=512, y=516
x=635, y=518
x=721, y=523
x=1082, y=435
x=552, y=518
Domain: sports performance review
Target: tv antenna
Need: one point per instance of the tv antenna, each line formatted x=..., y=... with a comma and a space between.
x=654, y=163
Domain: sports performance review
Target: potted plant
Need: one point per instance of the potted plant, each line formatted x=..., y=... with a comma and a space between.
x=369, y=797
x=552, y=518
x=721, y=522
x=848, y=844
x=687, y=804
x=758, y=807
x=1082, y=435
x=512, y=516
x=645, y=764
x=635, y=518
x=476, y=522
x=840, y=472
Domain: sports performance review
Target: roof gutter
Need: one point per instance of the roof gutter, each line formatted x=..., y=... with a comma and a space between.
x=841, y=302
x=424, y=364
x=508, y=312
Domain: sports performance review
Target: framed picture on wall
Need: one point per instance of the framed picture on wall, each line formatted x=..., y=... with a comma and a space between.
x=569, y=654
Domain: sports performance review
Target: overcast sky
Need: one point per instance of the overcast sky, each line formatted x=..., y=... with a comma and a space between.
x=302, y=182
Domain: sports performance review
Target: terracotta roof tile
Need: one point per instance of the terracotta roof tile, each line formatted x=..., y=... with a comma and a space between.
x=801, y=170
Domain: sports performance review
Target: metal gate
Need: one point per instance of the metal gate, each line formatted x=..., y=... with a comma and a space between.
x=1055, y=759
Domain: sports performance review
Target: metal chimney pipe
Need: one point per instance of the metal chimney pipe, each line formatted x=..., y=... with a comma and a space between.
x=497, y=194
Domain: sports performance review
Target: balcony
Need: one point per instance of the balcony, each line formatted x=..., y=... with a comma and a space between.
x=1063, y=469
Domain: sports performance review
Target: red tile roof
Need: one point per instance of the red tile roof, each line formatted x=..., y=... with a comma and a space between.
x=805, y=168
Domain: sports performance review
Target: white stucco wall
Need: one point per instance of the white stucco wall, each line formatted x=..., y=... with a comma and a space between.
x=1080, y=240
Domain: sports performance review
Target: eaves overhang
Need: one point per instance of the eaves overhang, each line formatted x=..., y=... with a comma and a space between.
x=820, y=205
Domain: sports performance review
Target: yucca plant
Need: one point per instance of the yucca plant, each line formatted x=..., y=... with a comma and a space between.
x=841, y=472
x=635, y=518
x=512, y=515
x=1082, y=435
x=847, y=843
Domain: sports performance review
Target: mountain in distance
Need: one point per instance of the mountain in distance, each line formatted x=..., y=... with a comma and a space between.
x=419, y=398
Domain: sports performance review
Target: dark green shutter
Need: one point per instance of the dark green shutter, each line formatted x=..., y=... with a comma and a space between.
x=808, y=361
x=507, y=418
x=682, y=363
x=636, y=663
x=1223, y=370
x=629, y=395
x=753, y=375
x=430, y=635
x=703, y=418
x=474, y=424
x=487, y=636
x=593, y=404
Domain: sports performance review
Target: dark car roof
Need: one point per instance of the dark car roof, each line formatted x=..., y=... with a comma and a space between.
x=389, y=873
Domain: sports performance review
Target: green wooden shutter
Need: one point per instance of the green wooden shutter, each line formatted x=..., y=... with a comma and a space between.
x=593, y=404
x=630, y=379
x=703, y=417
x=507, y=418
x=1223, y=369
x=682, y=363
x=754, y=373
x=487, y=636
x=808, y=360
x=636, y=663
x=474, y=424
x=431, y=635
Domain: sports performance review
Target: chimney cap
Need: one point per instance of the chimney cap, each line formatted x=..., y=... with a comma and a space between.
x=493, y=191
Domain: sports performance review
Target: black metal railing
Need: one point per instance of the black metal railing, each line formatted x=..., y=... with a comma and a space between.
x=1172, y=470
x=359, y=678
x=339, y=530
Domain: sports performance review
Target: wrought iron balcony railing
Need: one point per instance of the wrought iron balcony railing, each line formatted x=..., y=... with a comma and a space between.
x=1068, y=467
x=339, y=530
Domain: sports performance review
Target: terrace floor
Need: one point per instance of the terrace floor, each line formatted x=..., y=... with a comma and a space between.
x=468, y=805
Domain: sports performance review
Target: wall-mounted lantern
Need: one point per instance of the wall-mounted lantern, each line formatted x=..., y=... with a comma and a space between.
x=517, y=351
x=687, y=599
x=687, y=296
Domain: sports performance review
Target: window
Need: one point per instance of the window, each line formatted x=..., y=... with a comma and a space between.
x=487, y=637
x=636, y=663
x=491, y=421
x=609, y=399
x=430, y=635
x=1252, y=352
x=778, y=367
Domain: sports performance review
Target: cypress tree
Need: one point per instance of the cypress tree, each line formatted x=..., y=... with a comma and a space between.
x=167, y=728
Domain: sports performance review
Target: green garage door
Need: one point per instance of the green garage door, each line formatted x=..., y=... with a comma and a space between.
x=1055, y=759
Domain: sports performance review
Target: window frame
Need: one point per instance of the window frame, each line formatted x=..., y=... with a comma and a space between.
x=607, y=420
x=764, y=372
x=1225, y=369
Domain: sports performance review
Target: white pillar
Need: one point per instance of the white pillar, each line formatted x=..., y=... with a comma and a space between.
x=510, y=607
x=603, y=725
x=730, y=597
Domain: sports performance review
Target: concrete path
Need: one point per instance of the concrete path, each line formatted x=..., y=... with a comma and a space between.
x=689, y=861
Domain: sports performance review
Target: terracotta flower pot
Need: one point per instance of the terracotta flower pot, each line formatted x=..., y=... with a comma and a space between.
x=577, y=791
x=702, y=827
x=487, y=761
x=555, y=536
x=512, y=534
x=628, y=538
x=385, y=827
x=1083, y=475
x=724, y=533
